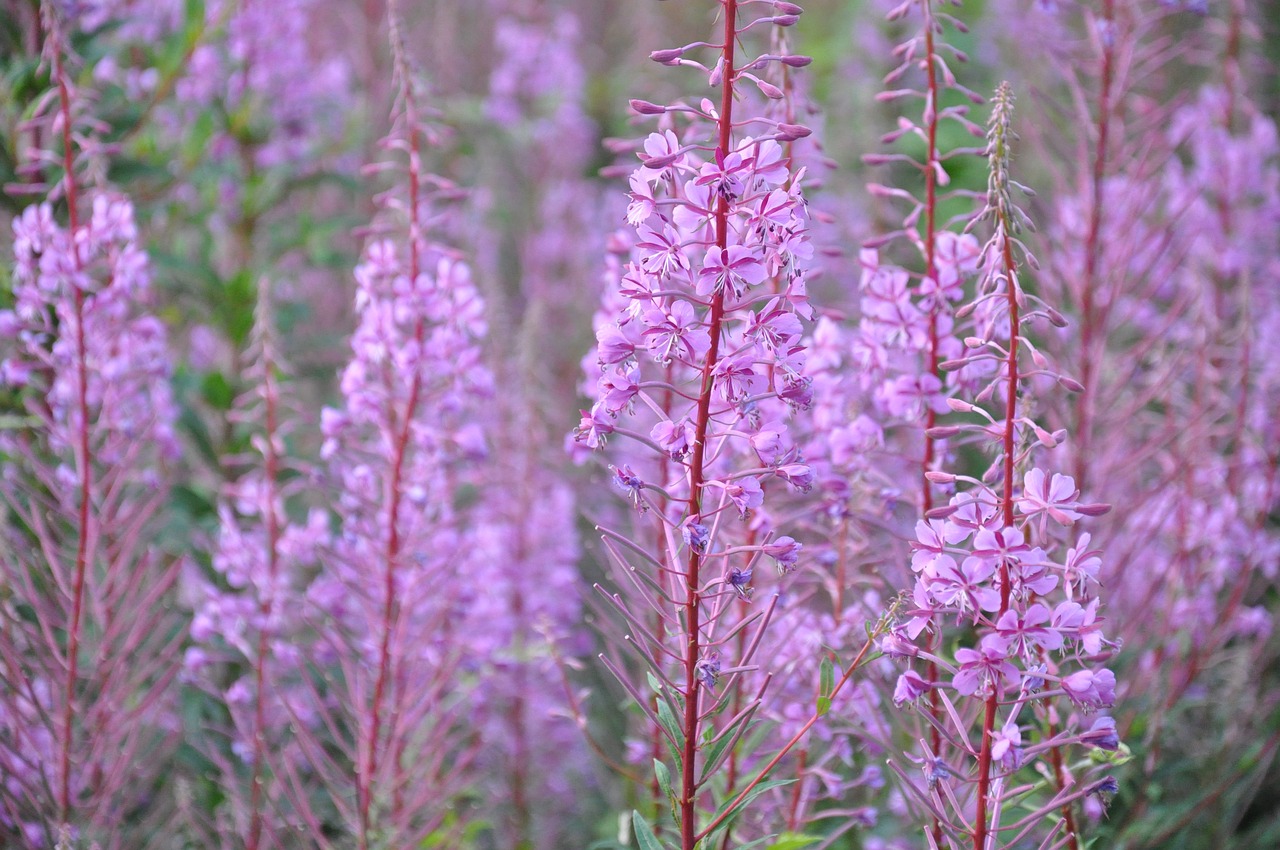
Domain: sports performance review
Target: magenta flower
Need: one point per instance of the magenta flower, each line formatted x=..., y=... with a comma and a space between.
x=909, y=688
x=964, y=588
x=731, y=269
x=675, y=438
x=1053, y=497
x=1007, y=746
x=1091, y=688
x=982, y=670
x=1019, y=633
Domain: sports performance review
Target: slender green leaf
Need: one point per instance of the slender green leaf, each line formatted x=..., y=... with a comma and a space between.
x=645, y=837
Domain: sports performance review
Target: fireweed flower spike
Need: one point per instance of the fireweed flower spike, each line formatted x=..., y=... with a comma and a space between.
x=699, y=356
x=86, y=651
x=388, y=603
x=993, y=561
x=247, y=628
x=907, y=328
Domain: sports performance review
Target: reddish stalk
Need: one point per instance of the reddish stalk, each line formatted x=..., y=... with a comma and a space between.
x=931, y=271
x=689, y=776
x=1092, y=251
x=793, y=814
x=369, y=759
x=85, y=483
x=1088, y=315
x=981, y=830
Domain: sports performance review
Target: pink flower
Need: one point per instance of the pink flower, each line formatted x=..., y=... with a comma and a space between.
x=745, y=493
x=1091, y=689
x=1054, y=497
x=981, y=669
x=1019, y=632
x=733, y=268
x=910, y=687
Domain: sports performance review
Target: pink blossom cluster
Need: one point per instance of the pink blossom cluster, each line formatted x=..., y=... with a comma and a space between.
x=994, y=562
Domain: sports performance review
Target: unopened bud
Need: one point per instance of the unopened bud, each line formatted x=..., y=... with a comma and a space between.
x=769, y=90
x=660, y=161
x=644, y=107
x=1071, y=384
x=791, y=132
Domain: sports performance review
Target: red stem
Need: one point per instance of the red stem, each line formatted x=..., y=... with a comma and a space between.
x=82, y=446
x=1092, y=250
x=392, y=552
x=689, y=776
x=931, y=271
x=1006, y=505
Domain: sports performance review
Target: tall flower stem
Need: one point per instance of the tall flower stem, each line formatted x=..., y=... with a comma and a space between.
x=82, y=454
x=394, y=493
x=689, y=786
x=1005, y=247
x=1092, y=252
x=931, y=273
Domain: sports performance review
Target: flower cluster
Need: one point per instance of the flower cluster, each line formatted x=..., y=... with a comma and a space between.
x=84, y=476
x=994, y=562
x=700, y=362
x=388, y=602
x=76, y=300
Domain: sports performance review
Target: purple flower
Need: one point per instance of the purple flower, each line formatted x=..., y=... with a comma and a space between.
x=675, y=333
x=982, y=669
x=798, y=475
x=910, y=687
x=1019, y=632
x=963, y=587
x=615, y=346
x=708, y=670
x=1091, y=688
x=785, y=552
x=596, y=425
x=733, y=268
x=626, y=480
x=618, y=389
x=1103, y=734
x=745, y=493
x=675, y=438
x=740, y=581
x=1054, y=497
x=1007, y=746
x=736, y=378
x=771, y=442
x=894, y=645
x=697, y=537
